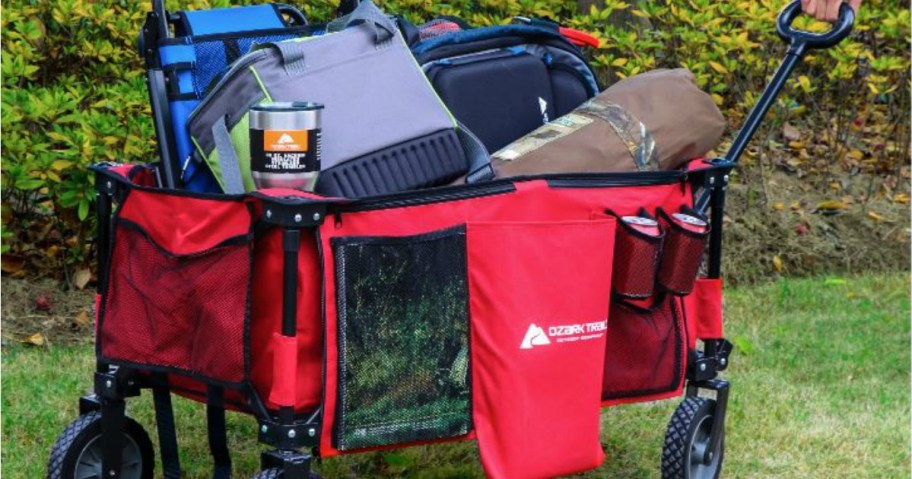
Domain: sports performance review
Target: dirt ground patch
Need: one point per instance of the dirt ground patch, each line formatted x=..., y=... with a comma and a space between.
x=786, y=226
x=42, y=312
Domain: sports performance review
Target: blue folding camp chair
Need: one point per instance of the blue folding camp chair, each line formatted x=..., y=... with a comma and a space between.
x=184, y=53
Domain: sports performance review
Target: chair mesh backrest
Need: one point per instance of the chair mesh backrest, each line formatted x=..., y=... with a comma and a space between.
x=206, y=42
x=213, y=57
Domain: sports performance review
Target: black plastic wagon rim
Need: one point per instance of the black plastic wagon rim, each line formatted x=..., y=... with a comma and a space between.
x=701, y=441
x=88, y=465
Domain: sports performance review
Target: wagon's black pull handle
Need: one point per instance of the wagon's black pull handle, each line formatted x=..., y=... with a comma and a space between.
x=799, y=43
x=801, y=40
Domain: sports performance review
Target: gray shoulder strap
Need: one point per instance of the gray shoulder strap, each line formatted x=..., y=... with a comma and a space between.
x=292, y=53
x=366, y=12
x=227, y=159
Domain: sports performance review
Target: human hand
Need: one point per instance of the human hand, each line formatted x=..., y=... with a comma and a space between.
x=827, y=10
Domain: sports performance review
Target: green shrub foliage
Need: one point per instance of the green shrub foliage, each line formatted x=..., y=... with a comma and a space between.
x=74, y=93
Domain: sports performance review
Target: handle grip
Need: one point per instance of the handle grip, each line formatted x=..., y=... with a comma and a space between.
x=799, y=42
x=803, y=40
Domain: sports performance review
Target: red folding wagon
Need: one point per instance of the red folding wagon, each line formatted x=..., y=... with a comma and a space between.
x=508, y=312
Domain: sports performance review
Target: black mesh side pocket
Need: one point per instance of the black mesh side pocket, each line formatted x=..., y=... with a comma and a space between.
x=403, y=339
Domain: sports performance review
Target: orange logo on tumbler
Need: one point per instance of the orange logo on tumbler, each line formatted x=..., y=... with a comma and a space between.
x=285, y=140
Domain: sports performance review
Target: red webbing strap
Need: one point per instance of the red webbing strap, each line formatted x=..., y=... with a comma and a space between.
x=704, y=309
x=285, y=370
x=97, y=311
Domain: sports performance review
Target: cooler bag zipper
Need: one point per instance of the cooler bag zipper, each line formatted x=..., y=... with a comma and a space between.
x=477, y=57
x=549, y=62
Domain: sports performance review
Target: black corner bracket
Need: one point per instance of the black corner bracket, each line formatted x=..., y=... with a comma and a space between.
x=289, y=436
x=707, y=364
x=293, y=212
x=118, y=384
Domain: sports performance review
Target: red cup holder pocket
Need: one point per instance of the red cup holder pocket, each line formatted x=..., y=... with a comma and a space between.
x=637, y=252
x=682, y=251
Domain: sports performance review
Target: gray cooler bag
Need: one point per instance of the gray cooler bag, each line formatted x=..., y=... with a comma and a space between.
x=384, y=128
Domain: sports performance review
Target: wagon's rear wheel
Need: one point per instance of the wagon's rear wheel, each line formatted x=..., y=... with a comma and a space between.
x=78, y=451
x=687, y=440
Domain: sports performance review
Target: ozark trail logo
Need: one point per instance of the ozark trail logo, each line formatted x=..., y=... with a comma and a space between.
x=282, y=141
x=535, y=336
x=563, y=333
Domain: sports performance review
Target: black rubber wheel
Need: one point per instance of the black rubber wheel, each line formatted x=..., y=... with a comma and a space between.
x=686, y=440
x=77, y=452
x=276, y=473
x=272, y=473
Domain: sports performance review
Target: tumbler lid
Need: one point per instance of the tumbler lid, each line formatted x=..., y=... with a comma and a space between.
x=288, y=106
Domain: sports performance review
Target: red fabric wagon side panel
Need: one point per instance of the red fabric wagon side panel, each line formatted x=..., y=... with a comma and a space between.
x=268, y=350
x=532, y=201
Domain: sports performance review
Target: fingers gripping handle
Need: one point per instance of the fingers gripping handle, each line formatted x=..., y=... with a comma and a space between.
x=802, y=40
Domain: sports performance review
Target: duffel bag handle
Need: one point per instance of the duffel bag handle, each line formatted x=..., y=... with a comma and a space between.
x=294, y=15
x=293, y=51
x=480, y=168
x=366, y=12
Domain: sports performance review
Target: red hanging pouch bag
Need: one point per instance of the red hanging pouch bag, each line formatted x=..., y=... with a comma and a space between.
x=538, y=299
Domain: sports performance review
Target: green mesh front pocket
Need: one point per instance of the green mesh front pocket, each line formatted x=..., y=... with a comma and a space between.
x=403, y=339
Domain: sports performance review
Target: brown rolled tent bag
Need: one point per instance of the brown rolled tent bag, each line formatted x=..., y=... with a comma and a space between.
x=653, y=121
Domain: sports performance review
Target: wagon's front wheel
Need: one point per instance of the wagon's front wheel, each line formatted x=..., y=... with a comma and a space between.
x=276, y=473
x=78, y=451
x=271, y=473
x=687, y=441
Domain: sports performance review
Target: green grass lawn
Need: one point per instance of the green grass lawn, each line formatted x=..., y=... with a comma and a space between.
x=820, y=389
